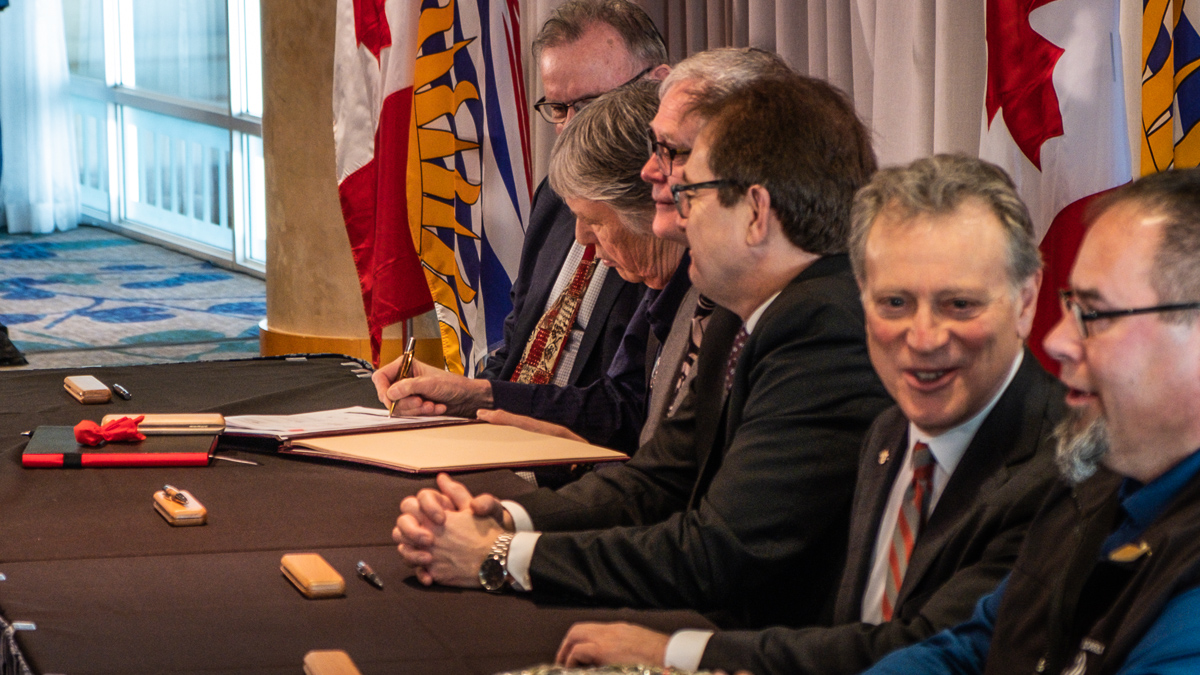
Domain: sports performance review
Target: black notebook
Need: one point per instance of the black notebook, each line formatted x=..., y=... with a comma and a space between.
x=55, y=447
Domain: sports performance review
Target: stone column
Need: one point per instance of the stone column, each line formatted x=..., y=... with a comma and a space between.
x=313, y=298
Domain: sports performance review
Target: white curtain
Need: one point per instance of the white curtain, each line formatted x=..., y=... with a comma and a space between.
x=39, y=188
x=913, y=67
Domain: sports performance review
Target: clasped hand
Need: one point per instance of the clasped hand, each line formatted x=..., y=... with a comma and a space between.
x=445, y=534
x=430, y=391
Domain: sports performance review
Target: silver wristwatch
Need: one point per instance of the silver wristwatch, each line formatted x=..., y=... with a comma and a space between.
x=493, y=572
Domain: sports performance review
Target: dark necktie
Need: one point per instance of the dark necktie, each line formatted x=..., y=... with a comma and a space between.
x=734, y=352
x=704, y=310
x=545, y=347
x=909, y=521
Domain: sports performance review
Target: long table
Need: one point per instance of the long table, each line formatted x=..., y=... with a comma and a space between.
x=94, y=581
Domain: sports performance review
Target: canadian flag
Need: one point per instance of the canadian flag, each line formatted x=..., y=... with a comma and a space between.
x=1054, y=118
x=374, y=61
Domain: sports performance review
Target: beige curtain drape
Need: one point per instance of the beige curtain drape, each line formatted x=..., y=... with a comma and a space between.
x=912, y=67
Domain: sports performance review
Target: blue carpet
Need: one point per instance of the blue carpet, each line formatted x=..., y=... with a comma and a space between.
x=92, y=297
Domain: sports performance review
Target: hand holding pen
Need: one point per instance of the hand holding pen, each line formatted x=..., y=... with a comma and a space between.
x=406, y=370
x=411, y=388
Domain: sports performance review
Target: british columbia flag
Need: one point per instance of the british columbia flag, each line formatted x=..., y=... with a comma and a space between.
x=432, y=134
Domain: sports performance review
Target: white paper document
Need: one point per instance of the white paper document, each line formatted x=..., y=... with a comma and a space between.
x=329, y=422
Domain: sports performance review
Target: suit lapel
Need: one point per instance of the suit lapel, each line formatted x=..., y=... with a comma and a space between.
x=1009, y=435
x=669, y=361
x=545, y=272
x=709, y=389
x=613, y=283
x=874, y=485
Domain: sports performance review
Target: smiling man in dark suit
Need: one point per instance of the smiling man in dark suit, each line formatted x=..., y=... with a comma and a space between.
x=950, y=478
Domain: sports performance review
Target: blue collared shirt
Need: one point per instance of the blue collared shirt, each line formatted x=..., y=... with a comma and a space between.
x=1171, y=645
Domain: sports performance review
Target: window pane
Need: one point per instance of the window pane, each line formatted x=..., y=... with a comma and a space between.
x=177, y=176
x=181, y=48
x=256, y=196
x=91, y=152
x=83, y=21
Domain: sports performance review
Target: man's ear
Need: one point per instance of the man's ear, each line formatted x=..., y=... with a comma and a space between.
x=660, y=73
x=1027, y=295
x=759, y=228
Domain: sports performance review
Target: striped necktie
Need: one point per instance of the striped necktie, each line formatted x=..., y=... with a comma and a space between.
x=910, y=520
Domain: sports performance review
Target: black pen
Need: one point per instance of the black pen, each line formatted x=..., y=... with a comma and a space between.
x=365, y=571
x=122, y=392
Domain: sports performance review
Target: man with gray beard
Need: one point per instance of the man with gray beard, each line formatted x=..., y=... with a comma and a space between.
x=1108, y=579
x=1081, y=446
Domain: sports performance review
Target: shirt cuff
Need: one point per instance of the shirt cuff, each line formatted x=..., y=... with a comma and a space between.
x=520, y=555
x=685, y=648
x=521, y=520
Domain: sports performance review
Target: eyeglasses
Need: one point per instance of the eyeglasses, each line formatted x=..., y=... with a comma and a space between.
x=1083, y=316
x=683, y=193
x=665, y=154
x=556, y=112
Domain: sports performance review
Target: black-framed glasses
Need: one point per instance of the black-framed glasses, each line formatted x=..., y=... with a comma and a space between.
x=665, y=154
x=683, y=193
x=556, y=112
x=1084, y=316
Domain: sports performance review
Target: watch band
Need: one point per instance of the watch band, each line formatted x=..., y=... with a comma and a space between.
x=493, y=572
x=500, y=548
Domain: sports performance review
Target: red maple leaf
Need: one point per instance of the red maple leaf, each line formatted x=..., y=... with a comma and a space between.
x=371, y=26
x=1020, y=76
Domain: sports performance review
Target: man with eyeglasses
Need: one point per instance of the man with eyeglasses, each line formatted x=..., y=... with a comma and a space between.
x=1108, y=580
x=585, y=48
x=950, y=478
x=739, y=503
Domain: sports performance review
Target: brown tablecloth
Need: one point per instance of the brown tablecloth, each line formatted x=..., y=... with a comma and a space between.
x=112, y=588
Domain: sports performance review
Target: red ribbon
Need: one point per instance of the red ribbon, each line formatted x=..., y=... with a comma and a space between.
x=88, y=432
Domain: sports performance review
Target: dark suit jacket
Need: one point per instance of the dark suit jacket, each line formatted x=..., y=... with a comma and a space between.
x=741, y=507
x=612, y=410
x=968, y=546
x=548, y=240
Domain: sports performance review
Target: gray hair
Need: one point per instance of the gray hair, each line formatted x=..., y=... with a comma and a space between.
x=600, y=154
x=938, y=185
x=717, y=73
x=572, y=18
x=1175, y=194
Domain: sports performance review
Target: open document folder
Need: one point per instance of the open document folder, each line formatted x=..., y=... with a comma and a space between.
x=466, y=447
x=328, y=423
x=416, y=444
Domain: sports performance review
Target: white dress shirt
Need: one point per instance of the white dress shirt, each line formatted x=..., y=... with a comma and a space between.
x=686, y=647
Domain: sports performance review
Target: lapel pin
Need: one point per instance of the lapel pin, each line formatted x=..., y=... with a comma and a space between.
x=1130, y=552
x=883, y=457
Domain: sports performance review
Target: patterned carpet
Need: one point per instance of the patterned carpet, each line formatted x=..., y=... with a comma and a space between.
x=92, y=297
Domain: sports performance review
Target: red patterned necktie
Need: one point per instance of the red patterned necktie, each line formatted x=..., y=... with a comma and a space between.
x=909, y=522
x=545, y=347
